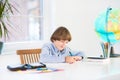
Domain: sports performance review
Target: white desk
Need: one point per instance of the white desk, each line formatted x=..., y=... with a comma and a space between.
x=83, y=70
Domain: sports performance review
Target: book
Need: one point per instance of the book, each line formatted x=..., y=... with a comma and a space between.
x=97, y=59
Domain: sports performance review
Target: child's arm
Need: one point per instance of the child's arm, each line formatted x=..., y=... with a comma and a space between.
x=77, y=53
x=48, y=57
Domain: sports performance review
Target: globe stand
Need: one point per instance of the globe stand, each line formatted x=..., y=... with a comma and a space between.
x=112, y=54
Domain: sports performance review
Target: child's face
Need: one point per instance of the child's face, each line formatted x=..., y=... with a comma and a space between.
x=60, y=44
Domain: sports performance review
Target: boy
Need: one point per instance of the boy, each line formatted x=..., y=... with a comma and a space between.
x=57, y=50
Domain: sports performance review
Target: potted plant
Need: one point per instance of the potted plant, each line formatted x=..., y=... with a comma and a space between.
x=6, y=8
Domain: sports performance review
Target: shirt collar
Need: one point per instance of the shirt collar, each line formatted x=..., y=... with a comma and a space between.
x=56, y=49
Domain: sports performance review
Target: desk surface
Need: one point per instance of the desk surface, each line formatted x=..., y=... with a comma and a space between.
x=84, y=70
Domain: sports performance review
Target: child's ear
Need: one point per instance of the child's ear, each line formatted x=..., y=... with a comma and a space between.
x=53, y=40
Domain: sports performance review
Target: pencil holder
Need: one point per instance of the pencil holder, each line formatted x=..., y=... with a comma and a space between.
x=106, y=47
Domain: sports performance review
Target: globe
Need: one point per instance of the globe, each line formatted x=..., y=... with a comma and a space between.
x=107, y=26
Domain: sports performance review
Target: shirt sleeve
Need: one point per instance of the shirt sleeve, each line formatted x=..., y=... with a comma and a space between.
x=47, y=57
x=77, y=53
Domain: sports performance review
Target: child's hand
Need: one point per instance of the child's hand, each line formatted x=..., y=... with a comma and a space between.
x=69, y=59
x=77, y=58
x=72, y=59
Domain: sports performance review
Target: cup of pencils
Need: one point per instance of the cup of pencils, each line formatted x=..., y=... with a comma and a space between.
x=106, y=47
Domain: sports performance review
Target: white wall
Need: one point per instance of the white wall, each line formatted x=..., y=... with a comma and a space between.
x=79, y=17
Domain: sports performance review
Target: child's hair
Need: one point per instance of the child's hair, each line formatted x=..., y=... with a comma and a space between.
x=61, y=33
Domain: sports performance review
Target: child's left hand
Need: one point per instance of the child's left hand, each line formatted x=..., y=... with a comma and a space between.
x=77, y=58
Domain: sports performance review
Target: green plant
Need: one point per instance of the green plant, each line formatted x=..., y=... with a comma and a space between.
x=6, y=8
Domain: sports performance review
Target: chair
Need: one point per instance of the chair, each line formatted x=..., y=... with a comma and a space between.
x=29, y=55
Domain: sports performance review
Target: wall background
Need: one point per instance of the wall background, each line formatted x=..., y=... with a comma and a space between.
x=79, y=17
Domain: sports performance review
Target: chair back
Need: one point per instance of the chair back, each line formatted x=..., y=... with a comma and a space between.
x=28, y=56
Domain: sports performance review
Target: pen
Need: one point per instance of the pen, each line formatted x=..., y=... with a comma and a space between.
x=103, y=48
x=41, y=68
x=70, y=54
